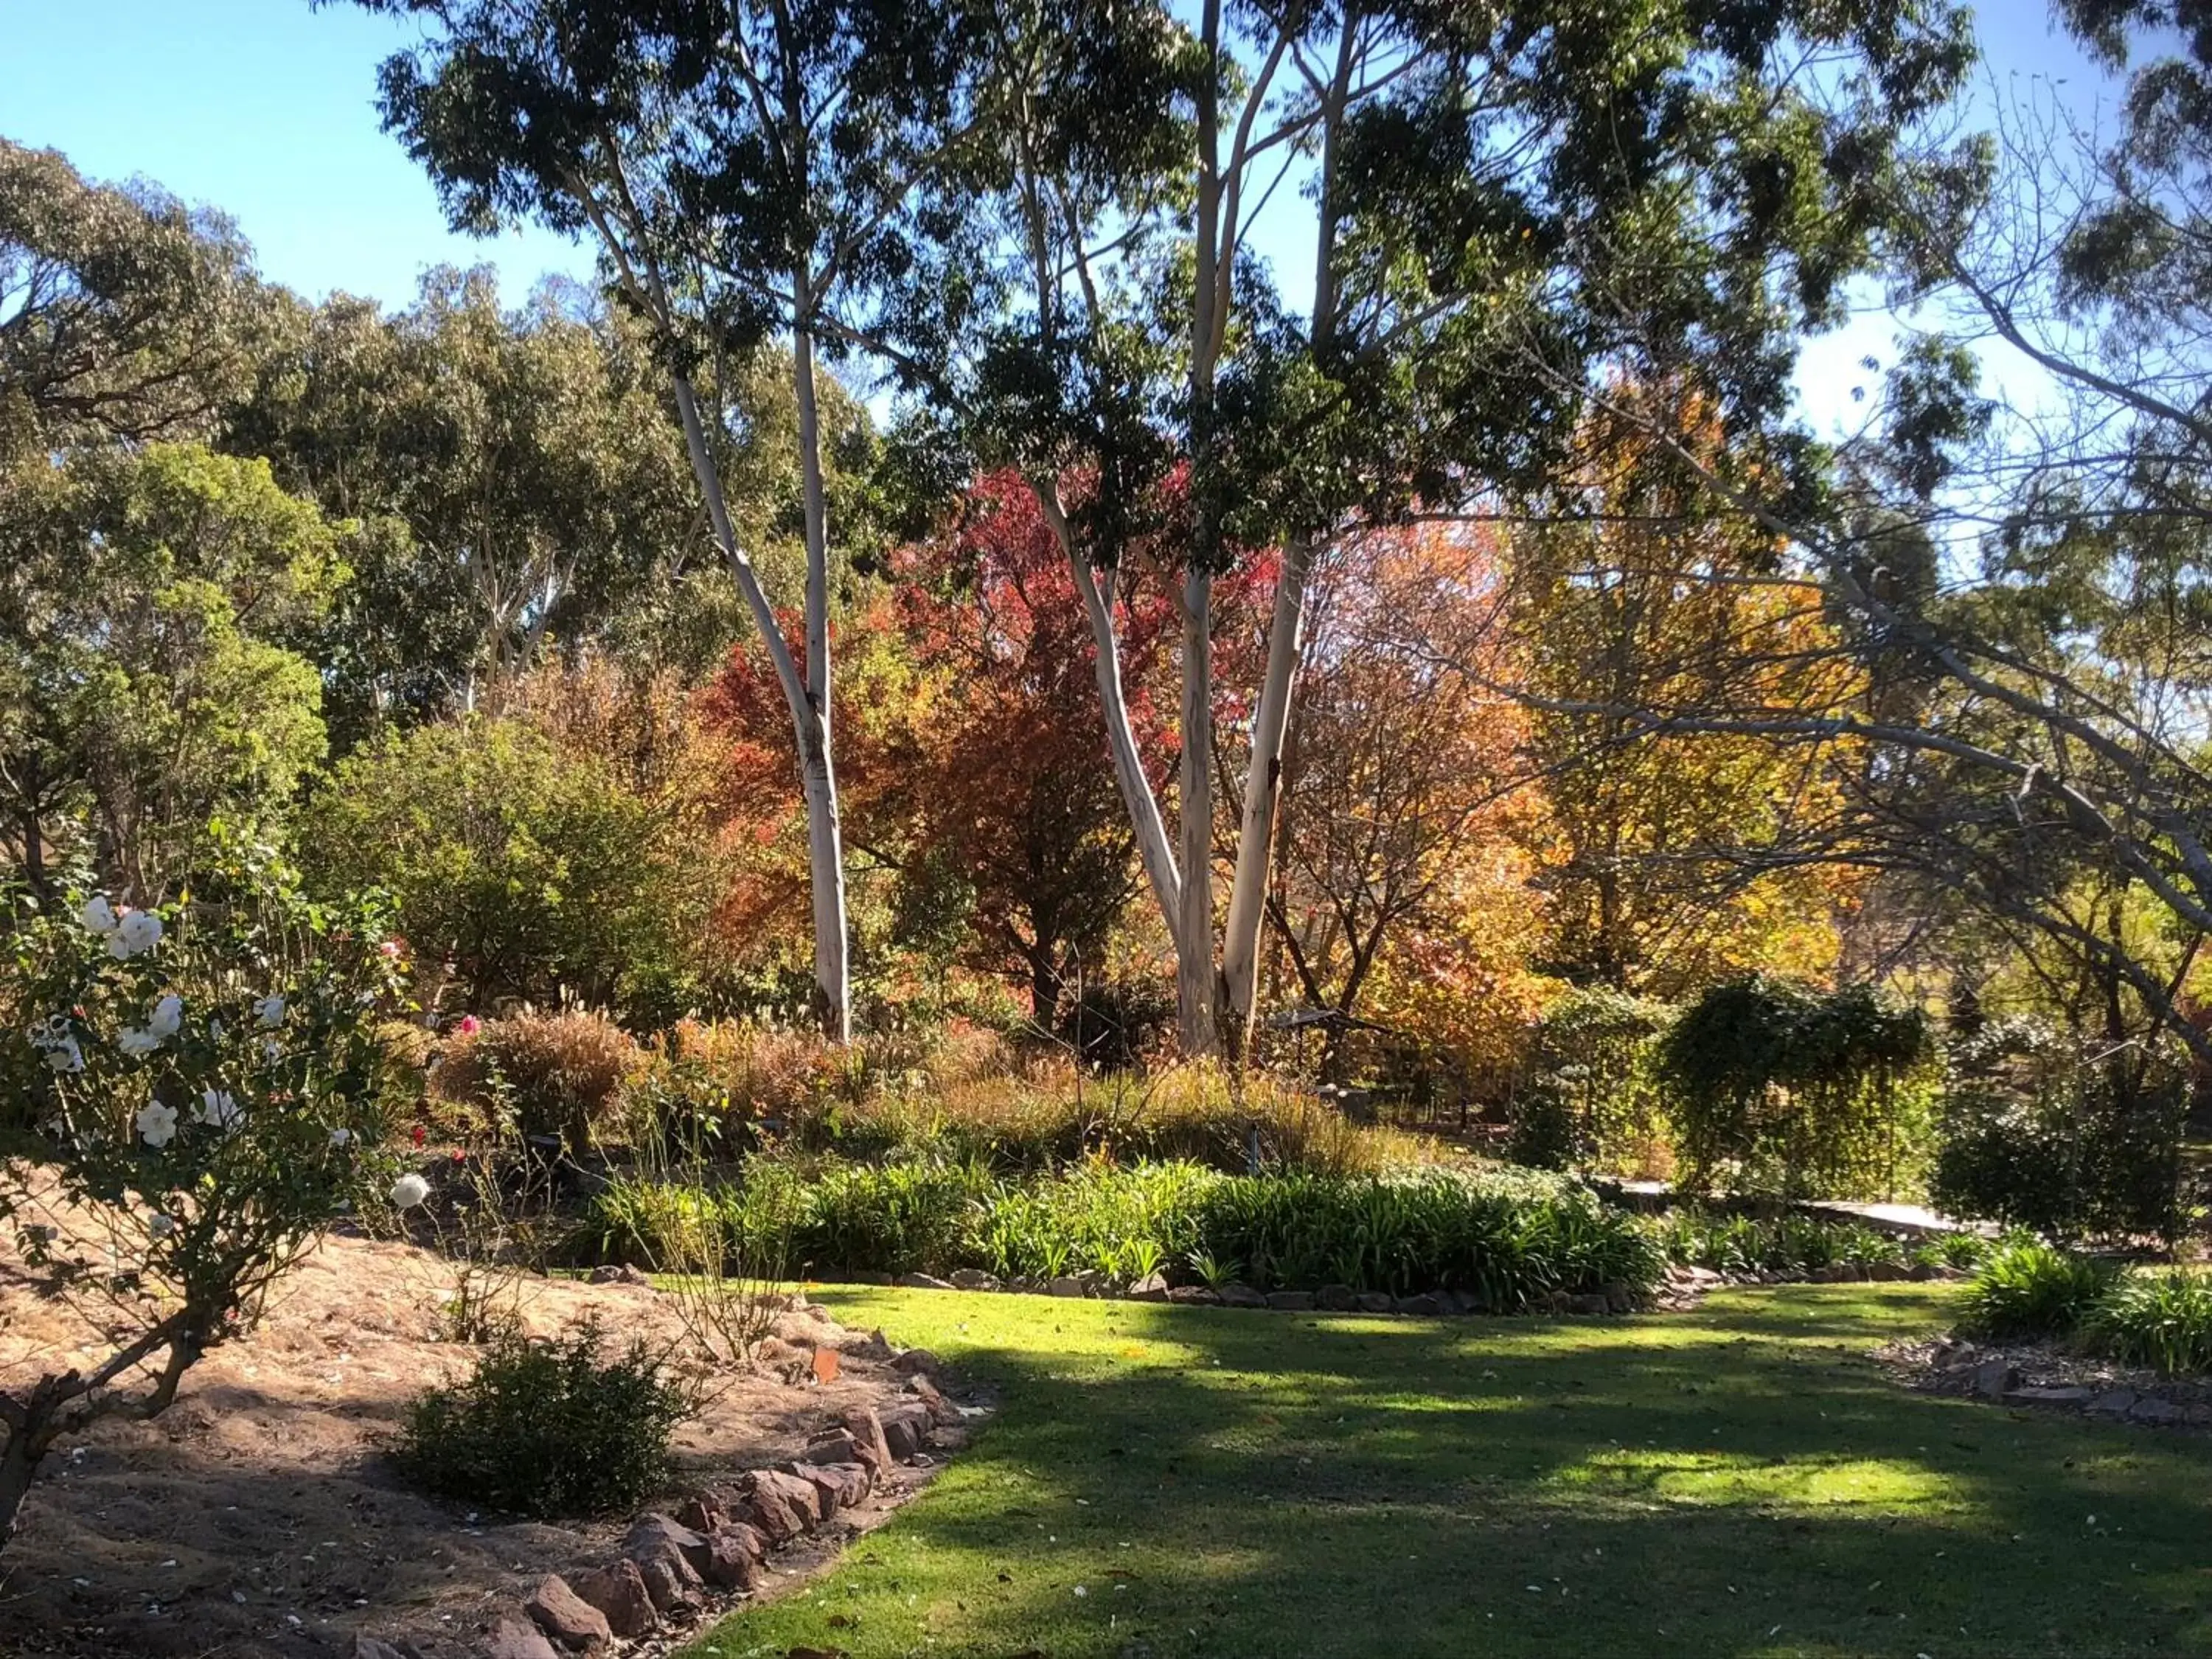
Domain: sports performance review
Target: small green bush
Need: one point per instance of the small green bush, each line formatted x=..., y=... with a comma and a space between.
x=2029, y=1289
x=1792, y=1244
x=2158, y=1319
x=547, y=1428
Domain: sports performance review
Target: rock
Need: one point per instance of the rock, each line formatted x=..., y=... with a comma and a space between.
x=516, y=1638
x=1619, y=1295
x=942, y=1411
x=1590, y=1303
x=916, y=1362
x=772, y=1515
x=1424, y=1305
x=974, y=1278
x=669, y=1580
x=871, y=1346
x=1376, y=1302
x=566, y=1618
x=1337, y=1298
x=923, y=1282
x=2119, y=1402
x=1066, y=1284
x=837, y=1446
x=2151, y=1409
x=838, y=1486
x=619, y=1593
x=1888, y=1272
x=1152, y=1287
x=368, y=1647
x=1921, y=1272
x=1193, y=1296
x=1235, y=1295
x=802, y=1495
x=703, y=1511
x=1992, y=1377
x=1290, y=1301
x=866, y=1433
x=733, y=1558
x=907, y=1429
x=658, y=1532
x=2049, y=1396
x=2197, y=1415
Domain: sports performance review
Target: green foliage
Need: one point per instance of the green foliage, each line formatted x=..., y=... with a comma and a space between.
x=2162, y=1319
x=1797, y=1245
x=2037, y=1131
x=530, y=871
x=1775, y=1087
x=1592, y=1099
x=1507, y=1238
x=548, y=1428
x=2029, y=1289
x=148, y=686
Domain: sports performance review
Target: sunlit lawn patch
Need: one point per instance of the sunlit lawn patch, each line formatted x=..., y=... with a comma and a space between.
x=1741, y=1481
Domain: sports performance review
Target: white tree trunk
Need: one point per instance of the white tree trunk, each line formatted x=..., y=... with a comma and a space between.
x=1263, y=793
x=818, y=767
x=816, y=780
x=1153, y=849
x=1196, y=977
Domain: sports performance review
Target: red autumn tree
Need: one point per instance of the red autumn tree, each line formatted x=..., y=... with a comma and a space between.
x=973, y=760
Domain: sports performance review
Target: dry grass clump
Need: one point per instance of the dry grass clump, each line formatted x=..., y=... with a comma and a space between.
x=558, y=1074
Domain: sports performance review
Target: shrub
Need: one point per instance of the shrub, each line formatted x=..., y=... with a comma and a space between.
x=2036, y=1132
x=1791, y=1244
x=1774, y=1086
x=1591, y=1100
x=2029, y=1289
x=2157, y=1319
x=558, y=1074
x=190, y=1096
x=547, y=1428
x=1507, y=1238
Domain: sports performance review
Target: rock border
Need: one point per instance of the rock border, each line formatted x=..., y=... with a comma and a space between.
x=2044, y=1378
x=676, y=1573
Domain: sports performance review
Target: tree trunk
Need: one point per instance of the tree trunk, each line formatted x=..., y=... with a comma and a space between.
x=1197, y=978
x=833, y=998
x=810, y=720
x=1263, y=789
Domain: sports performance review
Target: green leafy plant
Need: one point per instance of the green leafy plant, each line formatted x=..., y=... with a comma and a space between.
x=548, y=1428
x=2029, y=1289
x=2160, y=1319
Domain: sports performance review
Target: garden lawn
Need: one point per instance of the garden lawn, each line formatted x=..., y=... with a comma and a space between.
x=1740, y=1481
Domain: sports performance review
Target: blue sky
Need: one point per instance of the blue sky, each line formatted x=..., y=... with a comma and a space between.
x=264, y=108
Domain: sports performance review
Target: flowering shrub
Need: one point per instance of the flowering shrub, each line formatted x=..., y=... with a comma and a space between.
x=191, y=1094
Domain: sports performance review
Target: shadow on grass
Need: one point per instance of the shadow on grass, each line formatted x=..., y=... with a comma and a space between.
x=1738, y=1480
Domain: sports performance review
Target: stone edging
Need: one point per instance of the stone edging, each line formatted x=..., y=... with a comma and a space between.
x=676, y=1573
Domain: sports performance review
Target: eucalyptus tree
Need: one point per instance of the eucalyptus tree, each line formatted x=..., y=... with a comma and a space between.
x=1508, y=208
x=123, y=314
x=746, y=168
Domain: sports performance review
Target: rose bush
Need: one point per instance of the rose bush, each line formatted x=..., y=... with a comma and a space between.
x=191, y=1095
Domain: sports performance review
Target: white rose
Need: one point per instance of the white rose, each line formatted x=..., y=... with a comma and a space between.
x=218, y=1107
x=270, y=1011
x=341, y=1136
x=137, y=933
x=157, y=1124
x=136, y=1043
x=98, y=916
x=168, y=1017
x=271, y=1050
x=409, y=1191
x=65, y=1055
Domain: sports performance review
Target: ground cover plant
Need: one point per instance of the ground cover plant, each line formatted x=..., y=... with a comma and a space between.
x=2153, y=1317
x=1507, y=1238
x=1741, y=1479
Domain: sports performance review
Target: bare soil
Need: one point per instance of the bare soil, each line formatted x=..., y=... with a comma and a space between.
x=260, y=1517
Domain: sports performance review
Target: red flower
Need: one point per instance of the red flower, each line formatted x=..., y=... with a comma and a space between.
x=419, y=1135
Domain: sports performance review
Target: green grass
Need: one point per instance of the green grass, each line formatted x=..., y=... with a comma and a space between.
x=1740, y=1481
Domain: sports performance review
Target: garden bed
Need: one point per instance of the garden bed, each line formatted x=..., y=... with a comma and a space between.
x=260, y=1517
x=2050, y=1378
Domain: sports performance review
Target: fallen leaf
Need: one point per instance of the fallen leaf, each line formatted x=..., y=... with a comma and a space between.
x=825, y=1364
